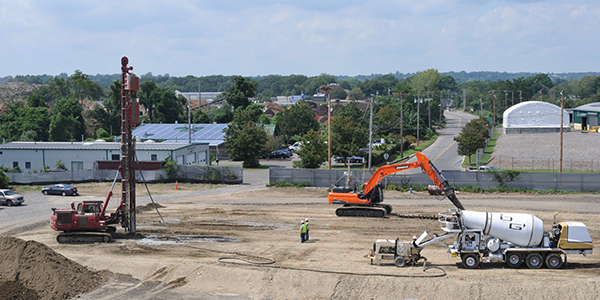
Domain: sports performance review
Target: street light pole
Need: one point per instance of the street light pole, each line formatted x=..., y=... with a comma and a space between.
x=562, y=107
x=327, y=89
x=418, y=101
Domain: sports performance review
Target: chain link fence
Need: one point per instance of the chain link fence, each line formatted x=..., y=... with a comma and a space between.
x=526, y=180
x=503, y=162
x=189, y=173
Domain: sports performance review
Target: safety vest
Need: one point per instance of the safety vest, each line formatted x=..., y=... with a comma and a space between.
x=307, y=225
x=303, y=228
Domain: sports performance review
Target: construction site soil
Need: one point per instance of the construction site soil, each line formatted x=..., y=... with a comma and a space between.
x=264, y=223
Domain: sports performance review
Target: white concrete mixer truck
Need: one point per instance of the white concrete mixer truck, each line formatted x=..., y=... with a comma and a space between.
x=513, y=238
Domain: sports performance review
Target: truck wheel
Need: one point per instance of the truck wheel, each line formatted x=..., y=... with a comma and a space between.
x=400, y=262
x=554, y=261
x=534, y=260
x=9, y=203
x=514, y=259
x=470, y=261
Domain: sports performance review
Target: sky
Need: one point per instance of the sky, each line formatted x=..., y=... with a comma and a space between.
x=310, y=37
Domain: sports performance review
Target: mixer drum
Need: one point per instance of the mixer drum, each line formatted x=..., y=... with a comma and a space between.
x=523, y=230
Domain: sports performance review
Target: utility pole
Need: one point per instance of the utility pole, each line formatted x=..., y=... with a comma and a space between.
x=505, y=101
x=371, y=131
x=481, y=107
x=418, y=101
x=562, y=107
x=130, y=84
x=327, y=89
x=520, y=96
x=401, y=122
x=429, y=109
x=494, y=100
x=513, y=97
x=464, y=99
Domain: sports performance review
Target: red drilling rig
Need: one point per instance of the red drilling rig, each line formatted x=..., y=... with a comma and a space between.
x=88, y=221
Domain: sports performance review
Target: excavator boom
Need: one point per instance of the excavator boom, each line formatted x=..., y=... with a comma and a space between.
x=368, y=201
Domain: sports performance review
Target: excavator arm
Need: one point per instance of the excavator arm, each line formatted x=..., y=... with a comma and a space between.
x=371, y=191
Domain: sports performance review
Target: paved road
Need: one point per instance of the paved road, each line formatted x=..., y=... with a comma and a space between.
x=443, y=152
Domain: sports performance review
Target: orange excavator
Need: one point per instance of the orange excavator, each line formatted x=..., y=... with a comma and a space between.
x=368, y=201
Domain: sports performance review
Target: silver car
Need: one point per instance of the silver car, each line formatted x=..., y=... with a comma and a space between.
x=8, y=197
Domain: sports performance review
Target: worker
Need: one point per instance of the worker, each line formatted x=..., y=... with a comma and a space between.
x=307, y=225
x=302, y=232
x=414, y=240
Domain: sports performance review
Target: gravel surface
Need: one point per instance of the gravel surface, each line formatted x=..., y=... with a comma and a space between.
x=581, y=151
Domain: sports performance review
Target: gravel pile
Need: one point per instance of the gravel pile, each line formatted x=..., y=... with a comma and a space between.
x=541, y=151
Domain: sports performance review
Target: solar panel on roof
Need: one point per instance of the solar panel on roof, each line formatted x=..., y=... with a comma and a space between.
x=201, y=133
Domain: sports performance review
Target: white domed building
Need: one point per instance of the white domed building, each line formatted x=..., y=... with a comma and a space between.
x=534, y=117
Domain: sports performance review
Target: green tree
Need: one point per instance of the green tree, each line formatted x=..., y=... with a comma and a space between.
x=148, y=97
x=347, y=136
x=245, y=142
x=424, y=81
x=66, y=120
x=169, y=107
x=313, y=152
x=4, y=180
x=249, y=114
x=472, y=137
x=385, y=121
x=221, y=115
x=297, y=120
x=240, y=92
x=351, y=110
x=200, y=117
x=338, y=92
x=357, y=94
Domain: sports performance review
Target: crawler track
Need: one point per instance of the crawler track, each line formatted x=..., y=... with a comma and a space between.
x=83, y=237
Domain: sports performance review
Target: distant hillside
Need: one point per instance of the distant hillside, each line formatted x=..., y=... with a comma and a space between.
x=221, y=82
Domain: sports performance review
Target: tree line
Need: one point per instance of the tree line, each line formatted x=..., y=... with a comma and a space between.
x=404, y=109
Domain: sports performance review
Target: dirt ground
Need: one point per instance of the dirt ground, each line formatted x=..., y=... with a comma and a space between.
x=265, y=223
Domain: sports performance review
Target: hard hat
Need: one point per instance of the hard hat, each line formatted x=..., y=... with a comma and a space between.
x=306, y=220
x=414, y=237
x=301, y=222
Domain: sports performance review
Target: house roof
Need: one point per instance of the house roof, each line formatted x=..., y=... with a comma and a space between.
x=91, y=146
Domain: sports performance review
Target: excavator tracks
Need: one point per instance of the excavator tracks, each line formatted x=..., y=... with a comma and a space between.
x=83, y=238
x=377, y=211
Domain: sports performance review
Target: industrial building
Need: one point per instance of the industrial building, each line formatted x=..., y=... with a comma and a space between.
x=211, y=134
x=585, y=117
x=30, y=156
x=534, y=117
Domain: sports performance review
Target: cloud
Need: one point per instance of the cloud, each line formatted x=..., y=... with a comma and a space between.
x=286, y=37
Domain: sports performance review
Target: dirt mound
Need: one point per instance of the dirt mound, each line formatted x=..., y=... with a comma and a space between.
x=11, y=290
x=37, y=267
x=148, y=207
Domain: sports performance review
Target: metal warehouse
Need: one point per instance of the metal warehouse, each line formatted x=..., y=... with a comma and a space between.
x=585, y=117
x=33, y=156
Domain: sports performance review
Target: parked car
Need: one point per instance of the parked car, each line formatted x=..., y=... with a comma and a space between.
x=339, y=159
x=378, y=142
x=278, y=154
x=60, y=189
x=8, y=197
x=297, y=146
x=482, y=169
x=356, y=159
